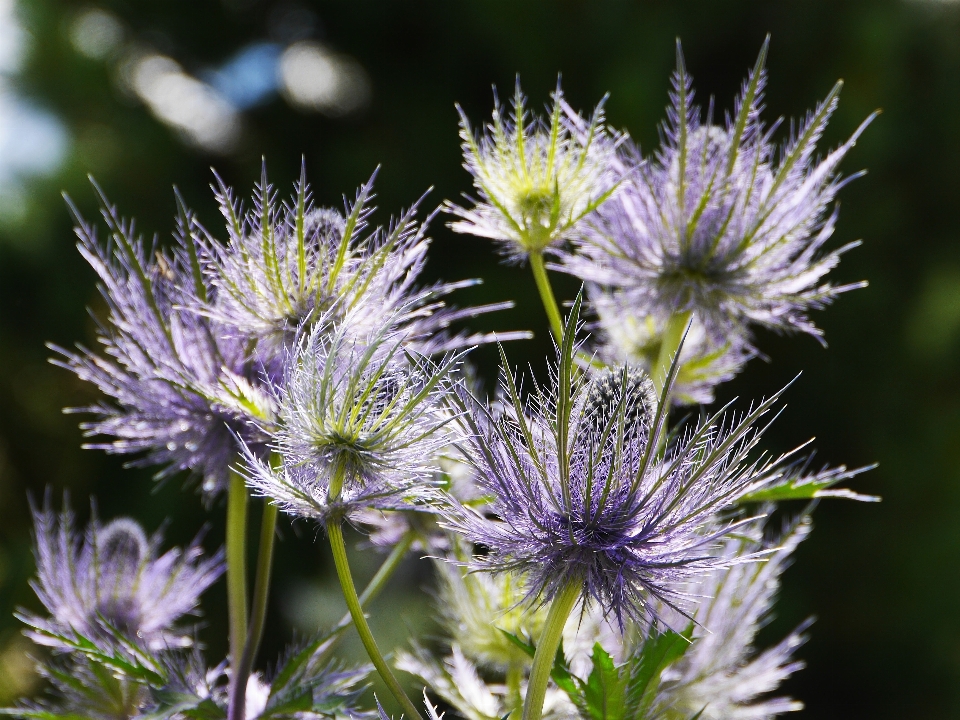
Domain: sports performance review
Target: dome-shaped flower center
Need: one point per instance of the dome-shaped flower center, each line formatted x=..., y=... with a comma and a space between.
x=122, y=550
x=625, y=393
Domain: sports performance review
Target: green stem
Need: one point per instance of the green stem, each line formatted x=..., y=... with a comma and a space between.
x=669, y=344
x=546, y=653
x=514, y=679
x=546, y=294
x=261, y=592
x=335, y=533
x=237, y=565
x=376, y=584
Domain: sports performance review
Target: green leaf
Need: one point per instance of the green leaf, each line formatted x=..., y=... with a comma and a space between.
x=38, y=714
x=659, y=652
x=179, y=704
x=299, y=661
x=799, y=485
x=605, y=692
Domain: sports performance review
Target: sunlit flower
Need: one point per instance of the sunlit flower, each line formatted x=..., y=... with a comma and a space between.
x=288, y=266
x=182, y=386
x=537, y=179
x=361, y=425
x=584, y=496
x=722, y=222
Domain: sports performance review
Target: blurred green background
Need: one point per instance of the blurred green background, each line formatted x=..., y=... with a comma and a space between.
x=148, y=94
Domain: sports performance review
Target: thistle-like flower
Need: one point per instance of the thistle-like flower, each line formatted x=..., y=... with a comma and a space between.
x=723, y=223
x=286, y=267
x=537, y=180
x=182, y=385
x=361, y=424
x=625, y=337
x=112, y=580
x=720, y=675
x=586, y=499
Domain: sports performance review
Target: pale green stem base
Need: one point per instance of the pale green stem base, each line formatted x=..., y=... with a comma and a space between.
x=546, y=654
x=335, y=533
x=546, y=294
x=237, y=565
x=261, y=591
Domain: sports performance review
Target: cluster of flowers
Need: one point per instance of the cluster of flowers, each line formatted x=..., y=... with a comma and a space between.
x=594, y=561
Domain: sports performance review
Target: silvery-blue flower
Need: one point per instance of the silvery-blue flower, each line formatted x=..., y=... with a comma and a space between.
x=288, y=266
x=722, y=222
x=721, y=675
x=361, y=424
x=112, y=578
x=181, y=387
x=584, y=493
x=537, y=179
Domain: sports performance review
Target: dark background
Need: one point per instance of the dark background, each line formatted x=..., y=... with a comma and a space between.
x=883, y=580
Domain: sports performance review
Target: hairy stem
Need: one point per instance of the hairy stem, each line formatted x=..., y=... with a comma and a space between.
x=546, y=294
x=237, y=565
x=669, y=344
x=335, y=533
x=546, y=653
x=261, y=592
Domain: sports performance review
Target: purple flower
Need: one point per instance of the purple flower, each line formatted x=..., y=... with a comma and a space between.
x=182, y=386
x=112, y=579
x=584, y=493
x=287, y=266
x=361, y=425
x=722, y=222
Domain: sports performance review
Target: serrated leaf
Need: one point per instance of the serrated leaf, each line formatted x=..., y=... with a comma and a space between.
x=298, y=661
x=605, y=692
x=178, y=704
x=803, y=486
x=659, y=652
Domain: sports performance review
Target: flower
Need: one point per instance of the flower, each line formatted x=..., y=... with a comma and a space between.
x=720, y=675
x=625, y=337
x=361, y=424
x=112, y=580
x=584, y=495
x=537, y=180
x=722, y=222
x=182, y=385
x=286, y=267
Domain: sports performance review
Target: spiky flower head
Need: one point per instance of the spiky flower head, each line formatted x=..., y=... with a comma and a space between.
x=626, y=337
x=537, y=179
x=111, y=579
x=182, y=386
x=287, y=266
x=584, y=494
x=723, y=223
x=361, y=424
x=721, y=675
